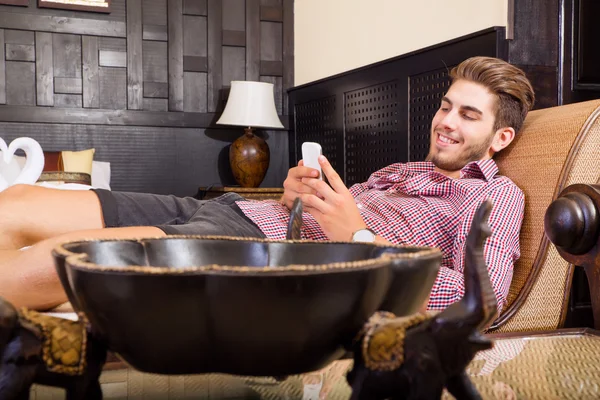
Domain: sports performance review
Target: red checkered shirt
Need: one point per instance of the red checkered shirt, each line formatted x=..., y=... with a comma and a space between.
x=412, y=204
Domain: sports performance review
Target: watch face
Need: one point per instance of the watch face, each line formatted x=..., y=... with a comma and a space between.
x=363, y=235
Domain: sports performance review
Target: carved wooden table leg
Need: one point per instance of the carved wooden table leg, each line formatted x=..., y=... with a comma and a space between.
x=37, y=348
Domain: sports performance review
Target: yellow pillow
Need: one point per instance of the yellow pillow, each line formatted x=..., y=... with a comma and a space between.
x=78, y=161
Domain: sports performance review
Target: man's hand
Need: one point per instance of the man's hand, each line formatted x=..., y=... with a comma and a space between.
x=293, y=186
x=334, y=207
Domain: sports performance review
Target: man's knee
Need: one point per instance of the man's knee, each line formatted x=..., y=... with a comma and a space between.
x=29, y=214
x=17, y=199
x=15, y=192
x=11, y=199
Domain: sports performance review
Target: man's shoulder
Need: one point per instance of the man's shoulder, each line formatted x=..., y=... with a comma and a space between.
x=504, y=181
x=502, y=185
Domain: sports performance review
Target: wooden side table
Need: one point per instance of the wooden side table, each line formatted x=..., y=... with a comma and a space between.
x=210, y=192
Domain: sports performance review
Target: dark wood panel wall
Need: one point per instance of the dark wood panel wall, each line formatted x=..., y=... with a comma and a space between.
x=533, y=50
x=555, y=43
x=580, y=59
x=171, y=55
x=152, y=63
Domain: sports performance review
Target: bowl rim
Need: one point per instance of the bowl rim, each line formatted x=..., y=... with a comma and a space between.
x=78, y=260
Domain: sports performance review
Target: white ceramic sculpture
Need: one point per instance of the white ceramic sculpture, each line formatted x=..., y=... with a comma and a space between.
x=10, y=171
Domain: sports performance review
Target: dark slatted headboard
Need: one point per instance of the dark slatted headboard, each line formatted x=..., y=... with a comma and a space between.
x=149, y=159
x=379, y=114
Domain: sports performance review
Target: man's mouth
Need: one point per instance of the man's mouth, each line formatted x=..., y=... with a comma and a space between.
x=445, y=139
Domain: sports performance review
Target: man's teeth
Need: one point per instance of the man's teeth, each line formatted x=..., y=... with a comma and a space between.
x=447, y=140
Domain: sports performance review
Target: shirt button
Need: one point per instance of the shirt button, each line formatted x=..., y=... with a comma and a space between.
x=360, y=206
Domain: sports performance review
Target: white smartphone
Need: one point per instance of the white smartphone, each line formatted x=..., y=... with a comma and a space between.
x=310, y=156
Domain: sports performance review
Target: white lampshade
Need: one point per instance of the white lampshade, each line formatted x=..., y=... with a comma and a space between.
x=251, y=104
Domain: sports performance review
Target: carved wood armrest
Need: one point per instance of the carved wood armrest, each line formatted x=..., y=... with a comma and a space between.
x=572, y=223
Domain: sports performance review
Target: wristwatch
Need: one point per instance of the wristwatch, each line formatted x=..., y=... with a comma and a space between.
x=364, y=235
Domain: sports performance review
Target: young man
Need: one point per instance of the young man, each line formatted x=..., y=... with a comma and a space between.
x=427, y=203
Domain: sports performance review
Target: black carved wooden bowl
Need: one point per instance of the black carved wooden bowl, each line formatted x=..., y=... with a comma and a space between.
x=187, y=304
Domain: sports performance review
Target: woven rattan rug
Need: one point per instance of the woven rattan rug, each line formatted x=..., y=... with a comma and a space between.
x=548, y=367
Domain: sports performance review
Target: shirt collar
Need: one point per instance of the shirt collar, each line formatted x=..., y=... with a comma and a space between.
x=483, y=169
x=487, y=169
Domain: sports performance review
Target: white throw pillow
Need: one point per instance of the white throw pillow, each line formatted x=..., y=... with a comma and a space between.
x=101, y=175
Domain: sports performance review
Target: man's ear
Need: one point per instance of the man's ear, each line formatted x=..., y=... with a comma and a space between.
x=502, y=138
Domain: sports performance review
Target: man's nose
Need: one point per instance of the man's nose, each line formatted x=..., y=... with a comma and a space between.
x=450, y=119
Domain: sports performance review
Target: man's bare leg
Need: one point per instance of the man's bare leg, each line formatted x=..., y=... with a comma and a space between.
x=29, y=278
x=29, y=214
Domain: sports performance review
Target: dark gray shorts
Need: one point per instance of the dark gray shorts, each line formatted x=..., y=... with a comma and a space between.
x=177, y=215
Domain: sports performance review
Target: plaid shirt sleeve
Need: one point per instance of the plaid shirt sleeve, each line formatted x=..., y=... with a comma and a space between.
x=358, y=188
x=501, y=249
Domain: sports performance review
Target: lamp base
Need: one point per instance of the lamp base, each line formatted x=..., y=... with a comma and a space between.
x=249, y=159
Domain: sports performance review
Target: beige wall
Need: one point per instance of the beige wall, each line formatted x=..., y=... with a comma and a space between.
x=332, y=36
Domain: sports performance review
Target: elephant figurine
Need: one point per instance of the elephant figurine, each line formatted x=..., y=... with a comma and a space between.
x=36, y=348
x=416, y=357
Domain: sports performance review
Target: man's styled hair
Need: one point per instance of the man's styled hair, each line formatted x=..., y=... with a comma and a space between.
x=510, y=85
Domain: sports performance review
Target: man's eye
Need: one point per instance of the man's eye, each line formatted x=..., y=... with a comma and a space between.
x=446, y=109
x=468, y=117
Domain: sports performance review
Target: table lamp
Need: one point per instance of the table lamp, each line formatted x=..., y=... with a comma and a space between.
x=252, y=105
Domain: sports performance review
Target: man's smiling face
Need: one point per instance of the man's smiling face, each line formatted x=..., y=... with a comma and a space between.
x=462, y=130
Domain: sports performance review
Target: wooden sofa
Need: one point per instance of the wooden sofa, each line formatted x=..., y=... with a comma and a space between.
x=558, y=147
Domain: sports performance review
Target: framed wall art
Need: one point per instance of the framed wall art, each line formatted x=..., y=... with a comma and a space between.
x=102, y=6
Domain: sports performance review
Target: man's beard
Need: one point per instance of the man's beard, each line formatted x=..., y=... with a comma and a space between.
x=474, y=152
